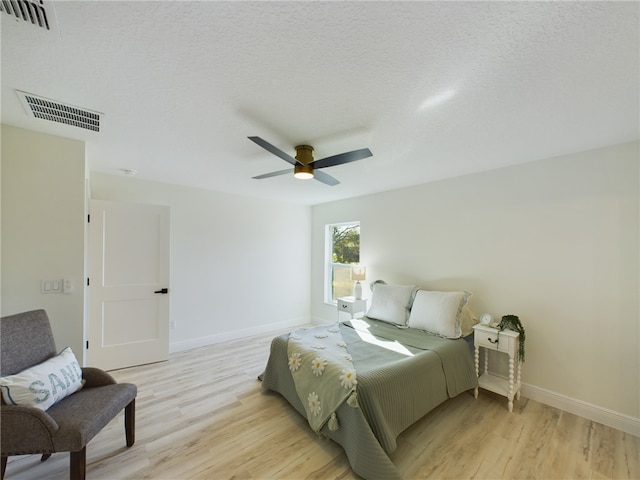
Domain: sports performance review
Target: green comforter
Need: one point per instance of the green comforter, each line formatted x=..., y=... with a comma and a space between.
x=402, y=375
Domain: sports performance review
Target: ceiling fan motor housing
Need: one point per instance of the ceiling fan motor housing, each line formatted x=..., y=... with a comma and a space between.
x=304, y=154
x=304, y=169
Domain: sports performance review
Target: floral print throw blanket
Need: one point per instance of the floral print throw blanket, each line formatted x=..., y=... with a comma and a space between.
x=323, y=373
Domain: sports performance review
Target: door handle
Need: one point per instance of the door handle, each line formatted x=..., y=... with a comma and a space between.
x=164, y=291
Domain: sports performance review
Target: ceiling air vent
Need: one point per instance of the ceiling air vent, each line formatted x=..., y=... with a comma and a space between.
x=32, y=11
x=47, y=109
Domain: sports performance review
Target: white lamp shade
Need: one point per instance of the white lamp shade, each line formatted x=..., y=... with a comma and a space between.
x=358, y=273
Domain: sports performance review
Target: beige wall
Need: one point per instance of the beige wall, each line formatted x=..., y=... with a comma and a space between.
x=554, y=241
x=239, y=265
x=43, y=229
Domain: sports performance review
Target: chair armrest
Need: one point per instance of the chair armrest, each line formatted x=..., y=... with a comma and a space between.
x=26, y=430
x=95, y=377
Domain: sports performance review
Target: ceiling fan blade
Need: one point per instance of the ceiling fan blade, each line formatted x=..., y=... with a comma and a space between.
x=325, y=178
x=275, y=150
x=342, y=158
x=274, y=174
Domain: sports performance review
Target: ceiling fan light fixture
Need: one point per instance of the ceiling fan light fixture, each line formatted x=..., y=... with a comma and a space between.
x=304, y=166
x=303, y=172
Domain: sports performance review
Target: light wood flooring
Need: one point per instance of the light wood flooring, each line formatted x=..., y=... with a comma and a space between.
x=203, y=415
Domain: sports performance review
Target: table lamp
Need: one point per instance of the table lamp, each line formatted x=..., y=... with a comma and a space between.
x=358, y=273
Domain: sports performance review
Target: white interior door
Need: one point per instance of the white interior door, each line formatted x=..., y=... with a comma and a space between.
x=128, y=284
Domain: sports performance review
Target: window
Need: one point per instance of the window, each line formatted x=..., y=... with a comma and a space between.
x=342, y=251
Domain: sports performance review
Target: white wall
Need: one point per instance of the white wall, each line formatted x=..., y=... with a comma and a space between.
x=43, y=229
x=239, y=265
x=554, y=241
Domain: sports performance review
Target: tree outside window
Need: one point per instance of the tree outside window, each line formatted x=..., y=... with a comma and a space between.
x=344, y=252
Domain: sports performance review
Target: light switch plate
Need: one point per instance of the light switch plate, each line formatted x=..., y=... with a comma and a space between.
x=51, y=286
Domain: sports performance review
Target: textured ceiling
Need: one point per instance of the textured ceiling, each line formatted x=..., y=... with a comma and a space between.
x=434, y=89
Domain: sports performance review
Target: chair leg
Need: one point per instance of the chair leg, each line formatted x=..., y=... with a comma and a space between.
x=130, y=422
x=78, y=464
x=4, y=465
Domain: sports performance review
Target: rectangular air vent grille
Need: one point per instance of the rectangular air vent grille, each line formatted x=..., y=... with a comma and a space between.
x=32, y=11
x=47, y=109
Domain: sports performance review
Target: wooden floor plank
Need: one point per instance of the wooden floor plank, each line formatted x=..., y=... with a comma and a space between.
x=203, y=415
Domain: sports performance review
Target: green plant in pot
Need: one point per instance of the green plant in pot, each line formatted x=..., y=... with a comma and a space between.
x=512, y=322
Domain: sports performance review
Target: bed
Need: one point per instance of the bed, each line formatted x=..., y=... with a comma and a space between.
x=402, y=373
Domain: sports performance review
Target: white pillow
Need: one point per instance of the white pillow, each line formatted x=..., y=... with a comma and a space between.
x=44, y=384
x=391, y=303
x=439, y=312
x=467, y=321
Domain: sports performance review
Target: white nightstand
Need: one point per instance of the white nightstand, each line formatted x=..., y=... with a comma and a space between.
x=505, y=341
x=351, y=306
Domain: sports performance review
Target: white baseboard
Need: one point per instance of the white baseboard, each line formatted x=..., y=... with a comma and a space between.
x=586, y=410
x=236, y=334
x=320, y=321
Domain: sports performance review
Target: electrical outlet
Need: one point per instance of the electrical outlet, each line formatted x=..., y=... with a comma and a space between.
x=67, y=286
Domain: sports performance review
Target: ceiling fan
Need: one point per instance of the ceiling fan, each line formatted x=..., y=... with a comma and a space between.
x=305, y=167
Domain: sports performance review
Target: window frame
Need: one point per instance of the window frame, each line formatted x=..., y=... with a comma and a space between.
x=329, y=265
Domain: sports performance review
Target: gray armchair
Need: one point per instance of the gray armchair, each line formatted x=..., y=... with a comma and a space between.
x=26, y=339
